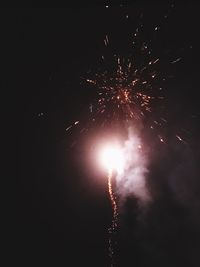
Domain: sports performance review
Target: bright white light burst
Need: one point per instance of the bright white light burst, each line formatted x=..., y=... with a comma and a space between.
x=112, y=158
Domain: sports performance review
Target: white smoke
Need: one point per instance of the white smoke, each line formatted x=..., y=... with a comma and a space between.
x=132, y=181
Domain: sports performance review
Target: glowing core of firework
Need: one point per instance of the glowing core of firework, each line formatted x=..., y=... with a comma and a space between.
x=112, y=158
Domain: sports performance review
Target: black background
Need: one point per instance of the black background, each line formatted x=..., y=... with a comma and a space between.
x=63, y=209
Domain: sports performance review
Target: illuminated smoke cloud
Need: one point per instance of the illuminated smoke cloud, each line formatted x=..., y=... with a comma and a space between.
x=132, y=182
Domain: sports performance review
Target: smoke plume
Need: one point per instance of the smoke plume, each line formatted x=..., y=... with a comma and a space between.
x=132, y=181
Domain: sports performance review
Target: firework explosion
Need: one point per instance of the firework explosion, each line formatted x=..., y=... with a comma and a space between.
x=129, y=87
x=128, y=91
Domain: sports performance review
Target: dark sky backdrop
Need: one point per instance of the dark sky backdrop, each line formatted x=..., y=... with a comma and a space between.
x=63, y=208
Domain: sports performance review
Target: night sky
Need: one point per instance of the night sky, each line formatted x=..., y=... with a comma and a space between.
x=62, y=204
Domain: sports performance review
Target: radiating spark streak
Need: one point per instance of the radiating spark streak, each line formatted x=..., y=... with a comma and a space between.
x=90, y=81
x=157, y=28
x=161, y=139
x=91, y=108
x=181, y=139
x=164, y=120
x=156, y=61
x=68, y=128
x=106, y=41
x=175, y=61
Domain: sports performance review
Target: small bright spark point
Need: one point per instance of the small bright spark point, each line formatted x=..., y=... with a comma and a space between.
x=112, y=158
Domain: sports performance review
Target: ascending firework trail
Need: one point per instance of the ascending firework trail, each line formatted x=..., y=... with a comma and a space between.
x=112, y=158
x=113, y=227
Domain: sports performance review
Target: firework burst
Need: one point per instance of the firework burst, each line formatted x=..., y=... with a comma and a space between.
x=128, y=84
x=127, y=92
x=128, y=88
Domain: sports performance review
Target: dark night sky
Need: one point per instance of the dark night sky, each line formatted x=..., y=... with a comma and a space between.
x=62, y=205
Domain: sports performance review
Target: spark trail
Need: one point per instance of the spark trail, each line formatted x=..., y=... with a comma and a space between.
x=113, y=201
x=112, y=159
x=114, y=219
